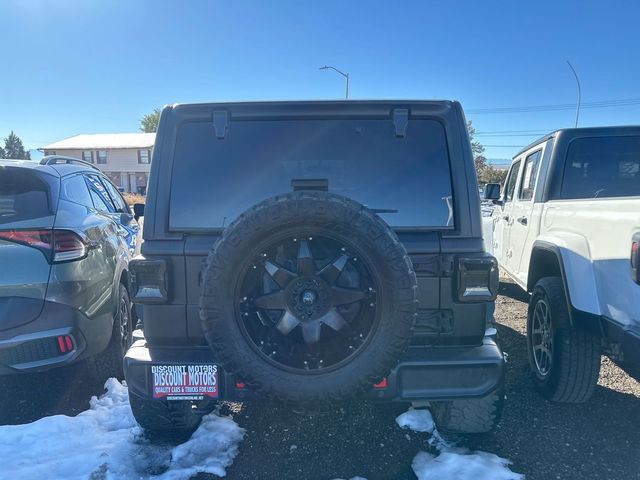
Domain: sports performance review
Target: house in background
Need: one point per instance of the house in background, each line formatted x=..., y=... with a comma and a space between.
x=124, y=157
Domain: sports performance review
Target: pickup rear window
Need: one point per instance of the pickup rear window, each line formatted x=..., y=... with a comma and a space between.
x=601, y=167
x=407, y=180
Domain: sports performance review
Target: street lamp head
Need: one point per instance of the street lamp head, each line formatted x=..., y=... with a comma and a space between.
x=323, y=68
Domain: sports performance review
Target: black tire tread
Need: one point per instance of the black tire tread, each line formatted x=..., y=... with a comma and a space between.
x=578, y=365
x=109, y=362
x=250, y=223
x=469, y=416
x=164, y=420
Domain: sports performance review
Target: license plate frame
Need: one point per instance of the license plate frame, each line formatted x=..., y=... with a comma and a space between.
x=193, y=382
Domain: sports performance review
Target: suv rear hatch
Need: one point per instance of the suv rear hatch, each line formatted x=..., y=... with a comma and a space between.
x=27, y=214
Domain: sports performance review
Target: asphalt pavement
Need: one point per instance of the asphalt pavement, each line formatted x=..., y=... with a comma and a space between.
x=596, y=440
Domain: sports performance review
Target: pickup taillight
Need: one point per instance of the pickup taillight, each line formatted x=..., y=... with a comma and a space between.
x=635, y=272
x=148, y=280
x=477, y=279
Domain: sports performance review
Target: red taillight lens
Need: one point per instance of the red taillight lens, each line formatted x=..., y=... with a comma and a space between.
x=68, y=246
x=65, y=343
x=634, y=255
x=34, y=238
x=57, y=245
x=381, y=384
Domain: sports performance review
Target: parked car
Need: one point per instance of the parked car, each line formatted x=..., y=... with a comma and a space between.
x=566, y=229
x=66, y=237
x=310, y=252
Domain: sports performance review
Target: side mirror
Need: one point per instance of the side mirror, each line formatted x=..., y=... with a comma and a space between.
x=492, y=191
x=138, y=210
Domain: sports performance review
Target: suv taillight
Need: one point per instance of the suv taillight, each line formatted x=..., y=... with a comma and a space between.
x=477, y=279
x=56, y=245
x=635, y=272
x=148, y=280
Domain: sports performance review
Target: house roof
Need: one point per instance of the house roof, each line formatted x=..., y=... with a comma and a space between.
x=103, y=140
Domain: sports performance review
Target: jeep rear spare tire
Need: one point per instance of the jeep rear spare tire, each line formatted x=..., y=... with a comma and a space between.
x=308, y=297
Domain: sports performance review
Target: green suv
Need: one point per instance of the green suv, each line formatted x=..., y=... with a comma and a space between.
x=66, y=237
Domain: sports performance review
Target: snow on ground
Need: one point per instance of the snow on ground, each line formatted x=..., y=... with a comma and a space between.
x=105, y=443
x=452, y=462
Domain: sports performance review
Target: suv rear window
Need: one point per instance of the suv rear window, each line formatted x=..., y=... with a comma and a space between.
x=23, y=196
x=406, y=179
x=600, y=167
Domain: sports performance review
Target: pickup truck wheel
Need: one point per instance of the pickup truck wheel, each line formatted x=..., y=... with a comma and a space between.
x=165, y=420
x=109, y=362
x=565, y=360
x=309, y=297
x=469, y=416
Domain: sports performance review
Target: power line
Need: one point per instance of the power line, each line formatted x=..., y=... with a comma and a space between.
x=504, y=146
x=512, y=134
x=561, y=106
x=514, y=131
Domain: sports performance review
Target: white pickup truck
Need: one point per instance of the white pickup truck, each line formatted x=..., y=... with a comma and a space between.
x=566, y=229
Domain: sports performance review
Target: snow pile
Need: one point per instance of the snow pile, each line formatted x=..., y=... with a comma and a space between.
x=452, y=462
x=105, y=442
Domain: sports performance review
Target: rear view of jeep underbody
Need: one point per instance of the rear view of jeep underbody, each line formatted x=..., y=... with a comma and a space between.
x=310, y=252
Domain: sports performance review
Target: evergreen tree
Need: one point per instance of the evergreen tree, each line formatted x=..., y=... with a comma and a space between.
x=13, y=148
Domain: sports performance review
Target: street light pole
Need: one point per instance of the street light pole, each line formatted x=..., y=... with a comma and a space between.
x=345, y=75
x=579, y=92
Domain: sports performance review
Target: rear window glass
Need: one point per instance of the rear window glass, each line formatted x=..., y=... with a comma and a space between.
x=406, y=179
x=600, y=167
x=23, y=196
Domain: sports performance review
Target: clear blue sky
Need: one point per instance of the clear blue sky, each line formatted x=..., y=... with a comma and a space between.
x=78, y=66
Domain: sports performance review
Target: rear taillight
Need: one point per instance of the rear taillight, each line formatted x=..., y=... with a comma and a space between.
x=56, y=245
x=478, y=279
x=148, y=280
x=68, y=246
x=65, y=343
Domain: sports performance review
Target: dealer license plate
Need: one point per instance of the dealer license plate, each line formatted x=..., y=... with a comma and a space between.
x=184, y=382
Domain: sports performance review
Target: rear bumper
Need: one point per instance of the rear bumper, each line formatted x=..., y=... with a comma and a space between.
x=423, y=374
x=34, y=346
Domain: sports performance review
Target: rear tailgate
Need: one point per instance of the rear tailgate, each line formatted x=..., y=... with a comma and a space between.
x=26, y=215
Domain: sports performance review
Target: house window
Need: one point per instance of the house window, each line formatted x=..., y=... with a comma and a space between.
x=49, y=152
x=102, y=156
x=87, y=156
x=144, y=156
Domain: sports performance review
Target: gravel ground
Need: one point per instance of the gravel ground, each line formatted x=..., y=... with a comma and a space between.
x=597, y=440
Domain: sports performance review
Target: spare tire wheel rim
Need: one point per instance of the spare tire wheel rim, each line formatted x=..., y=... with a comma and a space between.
x=307, y=303
x=542, y=338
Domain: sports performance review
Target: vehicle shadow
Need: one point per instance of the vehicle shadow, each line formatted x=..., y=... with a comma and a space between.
x=597, y=439
x=26, y=398
x=356, y=439
x=513, y=291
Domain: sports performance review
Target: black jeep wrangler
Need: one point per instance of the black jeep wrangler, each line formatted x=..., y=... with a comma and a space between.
x=309, y=252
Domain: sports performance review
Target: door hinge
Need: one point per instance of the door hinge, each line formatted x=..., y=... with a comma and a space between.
x=221, y=123
x=401, y=120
